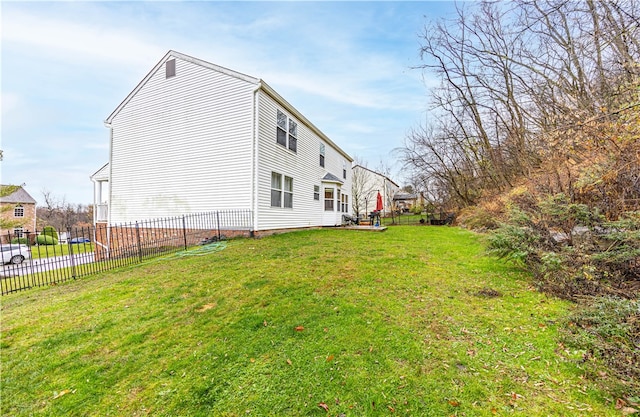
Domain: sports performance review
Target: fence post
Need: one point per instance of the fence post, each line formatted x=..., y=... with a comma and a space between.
x=218, y=224
x=139, y=244
x=184, y=232
x=70, y=245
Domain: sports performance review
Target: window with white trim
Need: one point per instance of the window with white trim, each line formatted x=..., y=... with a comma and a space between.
x=322, y=155
x=293, y=136
x=344, y=170
x=288, y=192
x=276, y=189
x=328, y=199
x=18, y=232
x=316, y=192
x=281, y=192
x=287, y=132
x=18, y=211
x=344, y=203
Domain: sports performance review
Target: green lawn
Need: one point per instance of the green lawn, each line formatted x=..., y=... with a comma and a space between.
x=413, y=321
x=48, y=251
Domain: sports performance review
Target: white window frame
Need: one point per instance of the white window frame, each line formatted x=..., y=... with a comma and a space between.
x=18, y=211
x=287, y=195
x=344, y=203
x=281, y=190
x=329, y=202
x=286, y=131
x=276, y=189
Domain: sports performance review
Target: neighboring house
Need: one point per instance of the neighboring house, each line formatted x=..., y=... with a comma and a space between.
x=405, y=202
x=195, y=137
x=18, y=211
x=366, y=184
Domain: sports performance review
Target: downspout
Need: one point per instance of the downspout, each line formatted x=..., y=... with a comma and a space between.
x=255, y=159
x=107, y=247
x=109, y=211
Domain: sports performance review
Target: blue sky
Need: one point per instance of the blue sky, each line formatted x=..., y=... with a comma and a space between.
x=347, y=66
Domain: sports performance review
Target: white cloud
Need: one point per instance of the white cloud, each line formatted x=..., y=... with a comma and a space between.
x=81, y=43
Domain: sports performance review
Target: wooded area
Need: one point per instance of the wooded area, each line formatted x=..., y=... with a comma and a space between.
x=543, y=91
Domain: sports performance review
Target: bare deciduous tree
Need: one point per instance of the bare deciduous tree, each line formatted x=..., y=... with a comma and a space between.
x=525, y=86
x=61, y=215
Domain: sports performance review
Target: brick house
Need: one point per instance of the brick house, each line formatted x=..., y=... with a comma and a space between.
x=17, y=210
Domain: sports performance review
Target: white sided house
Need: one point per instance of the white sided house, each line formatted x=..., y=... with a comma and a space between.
x=195, y=137
x=366, y=184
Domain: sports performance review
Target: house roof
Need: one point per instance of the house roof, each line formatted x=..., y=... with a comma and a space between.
x=259, y=83
x=331, y=178
x=101, y=174
x=17, y=196
x=377, y=173
x=405, y=196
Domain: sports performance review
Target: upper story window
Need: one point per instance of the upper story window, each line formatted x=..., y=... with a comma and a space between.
x=287, y=132
x=293, y=136
x=18, y=211
x=344, y=170
x=322, y=154
x=170, y=68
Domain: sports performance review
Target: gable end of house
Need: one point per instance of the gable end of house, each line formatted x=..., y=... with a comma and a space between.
x=171, y=72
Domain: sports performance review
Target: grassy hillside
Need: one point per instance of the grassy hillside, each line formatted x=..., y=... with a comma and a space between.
x=413, y=321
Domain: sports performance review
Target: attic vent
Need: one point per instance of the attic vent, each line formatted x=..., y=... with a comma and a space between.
x=170, y=66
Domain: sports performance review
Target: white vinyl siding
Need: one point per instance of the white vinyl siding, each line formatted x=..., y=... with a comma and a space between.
x=205, y=138
x=183, y=145
x=302, y=166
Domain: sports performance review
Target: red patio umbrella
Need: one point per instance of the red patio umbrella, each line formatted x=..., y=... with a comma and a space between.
x=379, y=205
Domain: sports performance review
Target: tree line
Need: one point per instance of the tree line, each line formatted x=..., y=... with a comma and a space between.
x=543, y=90
x=62, y=215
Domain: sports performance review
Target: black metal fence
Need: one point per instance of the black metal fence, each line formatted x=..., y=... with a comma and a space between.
x=47, y=257
x=434, y=219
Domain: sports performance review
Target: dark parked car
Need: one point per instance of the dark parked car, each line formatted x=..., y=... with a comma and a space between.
x=79, y=240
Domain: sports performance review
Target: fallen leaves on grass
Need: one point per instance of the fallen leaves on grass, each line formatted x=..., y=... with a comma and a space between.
x=329, y=358
x=624, y=407
x=63, y=392
x=324, y=406
x=299, y=328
